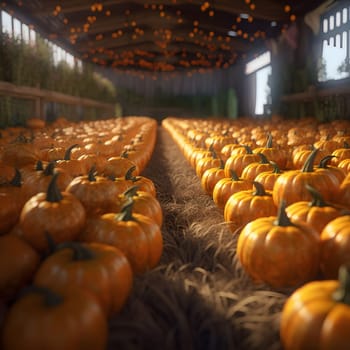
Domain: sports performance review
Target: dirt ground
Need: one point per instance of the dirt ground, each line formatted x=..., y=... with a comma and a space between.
x=198, y=297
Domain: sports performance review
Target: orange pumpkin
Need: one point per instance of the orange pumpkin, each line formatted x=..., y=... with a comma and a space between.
x=291, y=185
x=244, y=206
x=335, y=246
x=43, y=319
x=317, y=315
x=267, y=245
x=18, y=263
x=101, y=269
x=59, y=214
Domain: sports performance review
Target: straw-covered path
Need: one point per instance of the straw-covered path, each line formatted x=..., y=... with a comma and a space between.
x=198, y=297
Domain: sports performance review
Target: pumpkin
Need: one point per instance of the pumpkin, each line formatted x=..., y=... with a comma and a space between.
x=335, y=246
x=251, y=171
x=275, y=154
x=20, y=153
x=117, y=166
x=43, y=319
x=300, y=157
x=211, y=176
x=96, y=193
x=291, y=185
x=345, y=165
x=244, y=206
x=143, y=203
x=205, y=163
x=340, y=154
x=227, y=186
x=73, y=167
x=59, y=214
x=317, y=315
x=324, y=167
x=316, y=213
x=18, y=263
x=101, y=269
x=143, y=183
x=238, y=162
x=12, y=199
x=267, y=245
x=342, y=195
x=38, y=180
x=268, y=178
x=7, y=173
x=120, y=230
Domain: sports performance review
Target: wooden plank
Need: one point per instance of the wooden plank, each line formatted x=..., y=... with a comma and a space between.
x=32, y=93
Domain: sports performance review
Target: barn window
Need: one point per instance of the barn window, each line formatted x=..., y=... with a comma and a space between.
x=335, y=38
x=259, y=70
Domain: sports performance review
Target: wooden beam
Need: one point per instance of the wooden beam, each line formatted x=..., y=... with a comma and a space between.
x=266, y=9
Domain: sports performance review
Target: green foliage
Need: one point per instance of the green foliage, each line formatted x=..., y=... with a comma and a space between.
x=33, y=65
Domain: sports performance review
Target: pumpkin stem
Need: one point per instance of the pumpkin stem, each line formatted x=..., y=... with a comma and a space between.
x=263, y=158
x=17, y=179
x=248, y=149
x=49, y=170
x=342, y=294
x=68, y=152
x=129, y=176
x=324, y=161
x=80, y=252
x=91, y=174
x=51, y=298
x=308, y=166
x=39, y=166
x=269, y=141
x=124, y=154
x=259, y=189
x=346, y=145
x=234, y=175
x=131, y=191
x=53, y=193
x=276, y=168
x=317, y=199
x=222, y=164
x=126, y=211
x=282, y=218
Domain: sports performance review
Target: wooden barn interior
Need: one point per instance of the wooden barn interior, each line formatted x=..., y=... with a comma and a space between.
x=139, y=118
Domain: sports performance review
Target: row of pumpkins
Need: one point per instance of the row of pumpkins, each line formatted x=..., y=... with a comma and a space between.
x=77, y=223
x=284, y=189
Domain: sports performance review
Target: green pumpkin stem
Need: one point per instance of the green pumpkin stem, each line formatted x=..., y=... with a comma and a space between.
x=80, y=252
x=276, y=168
x=17, y=179
x=259, y=189
x=131, y=191
x=126, y=211
x=282, y=218
x=342, y=294
x=68, y=152
x=51, y=298
x=308, y=166
x=317, y=199
x=53, y=193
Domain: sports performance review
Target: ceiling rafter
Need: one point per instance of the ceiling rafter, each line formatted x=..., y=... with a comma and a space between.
x=219, y=32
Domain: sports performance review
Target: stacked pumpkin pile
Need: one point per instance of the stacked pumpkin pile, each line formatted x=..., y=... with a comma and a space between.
x=77, y=223
x=284, y=190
